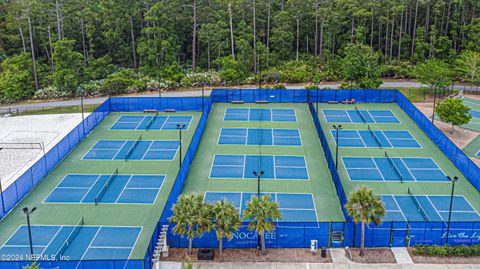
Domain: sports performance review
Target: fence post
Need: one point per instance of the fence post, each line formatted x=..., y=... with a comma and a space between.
x=391, y=234
x=354, y=234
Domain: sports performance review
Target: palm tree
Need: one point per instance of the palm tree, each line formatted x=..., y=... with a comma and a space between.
x=191, y=217
x=226, y=221
x=366, y=207
x=262, y=213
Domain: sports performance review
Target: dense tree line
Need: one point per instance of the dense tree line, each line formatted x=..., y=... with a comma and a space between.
x=63, y=47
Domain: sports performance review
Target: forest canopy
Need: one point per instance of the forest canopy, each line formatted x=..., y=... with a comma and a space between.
x=60, y=48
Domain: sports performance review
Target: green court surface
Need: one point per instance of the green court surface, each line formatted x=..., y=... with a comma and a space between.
x=110, y=211
x=288, y=180
x=474, y=123
x=428, y=162
x=473, y=148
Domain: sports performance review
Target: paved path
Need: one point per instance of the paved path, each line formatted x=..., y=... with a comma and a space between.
x=339, y=262
x=284, y=265
x=99, y=100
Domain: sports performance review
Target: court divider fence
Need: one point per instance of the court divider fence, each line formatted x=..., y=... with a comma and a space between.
x=287, y=235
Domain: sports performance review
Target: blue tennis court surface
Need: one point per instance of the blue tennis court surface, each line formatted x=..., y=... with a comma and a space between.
x=475, y=113
x=274, y=167
x=89, y=242
x=257, y=136
x=260, y=114
x=365, y=138
x=123, y=189
x=153, y=150
x=295, y=207
x=381, y=169
x=430, y=208
x=126, y=122
x=355, y=116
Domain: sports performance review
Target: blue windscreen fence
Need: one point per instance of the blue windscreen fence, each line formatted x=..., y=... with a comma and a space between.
x=286, y=235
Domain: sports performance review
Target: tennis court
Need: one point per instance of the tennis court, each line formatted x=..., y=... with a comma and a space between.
x=274, y=167
x=393, y=169
x=155, y=123
x=260, y=136
x=107, y=189
x=119, y=150
x=375, y=138
x=295, y=207
x=427, y=208
x=260, y=114
x=79, y=242
x=360, y=116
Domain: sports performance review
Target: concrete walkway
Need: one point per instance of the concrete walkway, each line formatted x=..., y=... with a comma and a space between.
x=284, y=265
x=340, y=261
x=98, y=100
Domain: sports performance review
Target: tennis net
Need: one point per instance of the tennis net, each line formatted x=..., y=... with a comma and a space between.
x=70, y=238
x=106, y=186
x=375, y=136
x=419, y=206
x=395, y=168
x=20, y=145
x=132, y=148
x=361, y=114
x=151, y=121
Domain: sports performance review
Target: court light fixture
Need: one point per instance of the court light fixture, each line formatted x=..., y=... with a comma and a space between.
x=453, y=180
x=27, y=212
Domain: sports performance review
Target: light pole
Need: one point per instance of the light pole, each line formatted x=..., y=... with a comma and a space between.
x=258, y=175
x=434, y=102
x=337, y=128
x=203, y=96
x=179, y=128
x=453, y=180
x=83, y=111
x=27, y=212
x=1, y=194
x=317, y=96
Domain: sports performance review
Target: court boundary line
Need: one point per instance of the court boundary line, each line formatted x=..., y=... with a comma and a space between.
x=376, y=181
x=436, y=195
x=98, y=176
x=276, y=200
x=154, y=130
x=151, y=140
x=60, y=227
x=331, y=131
x=263, y=145
x=248, y=116
x=353, y=122
x=244, y=165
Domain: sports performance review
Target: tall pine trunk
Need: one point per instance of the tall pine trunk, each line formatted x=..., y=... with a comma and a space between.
x=320, y=55
x=269, y=13
x=134, y=46
x=52, y=66
x=21, y=33
x=427, y=23
x=399, y=53
x=230, y=15
x=32, y=47
x=194, y=38
x=254, y=38
x=59, y=24
x=412, y=51
x=298, y=38
x=315, y=36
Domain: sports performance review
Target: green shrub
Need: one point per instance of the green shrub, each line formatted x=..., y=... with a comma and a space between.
x=447, y=251
x=50, y=92
x=279, y=86
x=196, y=79
x=311, y=87
x=404, y=70
x=124, y=81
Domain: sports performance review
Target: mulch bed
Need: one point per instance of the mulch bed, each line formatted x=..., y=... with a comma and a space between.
x=373, y=255
x=443, y=260
x=253, y=255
